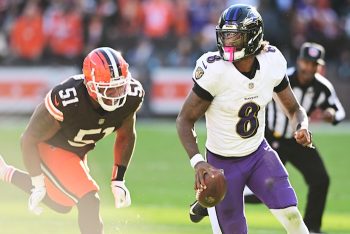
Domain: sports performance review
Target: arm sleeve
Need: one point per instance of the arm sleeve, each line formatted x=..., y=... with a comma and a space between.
x=278, y=71
x=202, y=93
x=205, y=75
x=282, y=85
x=52, y=104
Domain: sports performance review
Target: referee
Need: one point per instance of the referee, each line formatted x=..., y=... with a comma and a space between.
x=313, y=91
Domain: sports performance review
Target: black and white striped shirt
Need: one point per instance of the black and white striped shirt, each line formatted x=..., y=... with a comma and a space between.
x=319, y=94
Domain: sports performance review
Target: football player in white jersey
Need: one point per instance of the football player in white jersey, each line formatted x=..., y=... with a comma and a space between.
x=232, y=88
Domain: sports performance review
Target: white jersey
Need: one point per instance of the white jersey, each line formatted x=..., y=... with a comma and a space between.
x=235, y=120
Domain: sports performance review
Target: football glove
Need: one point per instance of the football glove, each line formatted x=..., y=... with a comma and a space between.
x=37, y=195
x=121, y=194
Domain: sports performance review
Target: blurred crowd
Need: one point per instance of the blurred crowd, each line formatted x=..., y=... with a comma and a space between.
x=153, y=33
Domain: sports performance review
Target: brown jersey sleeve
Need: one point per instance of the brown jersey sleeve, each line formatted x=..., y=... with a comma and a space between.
x=52, y=105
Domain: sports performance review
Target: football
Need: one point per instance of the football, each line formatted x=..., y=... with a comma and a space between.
x=215, y=191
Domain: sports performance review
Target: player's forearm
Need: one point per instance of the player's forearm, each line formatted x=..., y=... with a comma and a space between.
x=193, y=108
x=123, y=149
x=187, y=135
x=30, y=154
x=300, y=119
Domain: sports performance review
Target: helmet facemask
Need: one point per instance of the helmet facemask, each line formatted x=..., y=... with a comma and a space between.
x=232, y=44
x=107, y=77
x=111, y=95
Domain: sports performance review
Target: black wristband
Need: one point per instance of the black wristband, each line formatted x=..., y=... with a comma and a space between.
x=119, y=172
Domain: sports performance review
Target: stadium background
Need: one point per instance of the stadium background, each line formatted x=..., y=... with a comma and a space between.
x=43, y=42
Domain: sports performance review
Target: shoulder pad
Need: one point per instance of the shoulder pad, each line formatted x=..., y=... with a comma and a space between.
x=208, y=68
x=210, y=62
x=78, y=77
x=209, y=58
x=75, y=77
x=273, y=58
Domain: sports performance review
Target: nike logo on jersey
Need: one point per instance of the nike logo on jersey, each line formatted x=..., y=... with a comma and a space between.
x=56, y=102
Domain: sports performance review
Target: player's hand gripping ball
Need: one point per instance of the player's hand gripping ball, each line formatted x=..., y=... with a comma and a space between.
x=215, y=191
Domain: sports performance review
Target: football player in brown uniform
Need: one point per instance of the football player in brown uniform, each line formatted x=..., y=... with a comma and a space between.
x=66, y=126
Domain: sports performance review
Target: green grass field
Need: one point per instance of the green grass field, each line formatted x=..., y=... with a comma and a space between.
x=160, y=180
